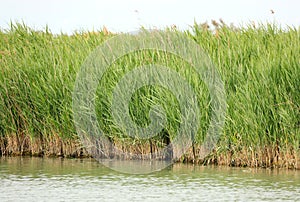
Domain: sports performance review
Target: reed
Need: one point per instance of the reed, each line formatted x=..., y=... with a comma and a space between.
x=259, y=65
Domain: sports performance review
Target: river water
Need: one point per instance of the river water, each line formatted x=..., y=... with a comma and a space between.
x=56, y=179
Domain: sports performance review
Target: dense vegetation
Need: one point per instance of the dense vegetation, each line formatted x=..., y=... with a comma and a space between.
x=260, y=67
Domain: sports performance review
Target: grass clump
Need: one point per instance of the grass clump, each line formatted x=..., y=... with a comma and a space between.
x=260, y=67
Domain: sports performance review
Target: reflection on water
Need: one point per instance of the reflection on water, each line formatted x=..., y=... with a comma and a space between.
x=57, y=179
x=135, y=166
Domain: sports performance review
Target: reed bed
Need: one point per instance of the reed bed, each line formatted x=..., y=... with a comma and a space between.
x=260, y=66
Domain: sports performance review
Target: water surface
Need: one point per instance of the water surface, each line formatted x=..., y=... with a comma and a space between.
x=55, y=179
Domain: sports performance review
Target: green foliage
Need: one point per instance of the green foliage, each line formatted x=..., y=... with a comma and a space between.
x=259, y=66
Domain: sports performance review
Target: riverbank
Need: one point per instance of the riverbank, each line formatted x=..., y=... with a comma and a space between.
x=259, y=65
x=54, y=146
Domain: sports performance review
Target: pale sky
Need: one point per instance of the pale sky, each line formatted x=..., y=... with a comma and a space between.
x=129, y=15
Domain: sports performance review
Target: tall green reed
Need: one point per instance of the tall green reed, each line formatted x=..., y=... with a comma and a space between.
x=259, y=66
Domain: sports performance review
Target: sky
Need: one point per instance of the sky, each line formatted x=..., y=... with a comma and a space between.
x=68, y=16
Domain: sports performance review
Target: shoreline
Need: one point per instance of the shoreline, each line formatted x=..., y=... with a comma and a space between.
x=265, y=157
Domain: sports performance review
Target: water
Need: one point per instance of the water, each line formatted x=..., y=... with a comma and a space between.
x=55, y=179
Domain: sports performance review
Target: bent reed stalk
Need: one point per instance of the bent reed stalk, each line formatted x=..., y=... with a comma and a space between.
x=260, y=67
